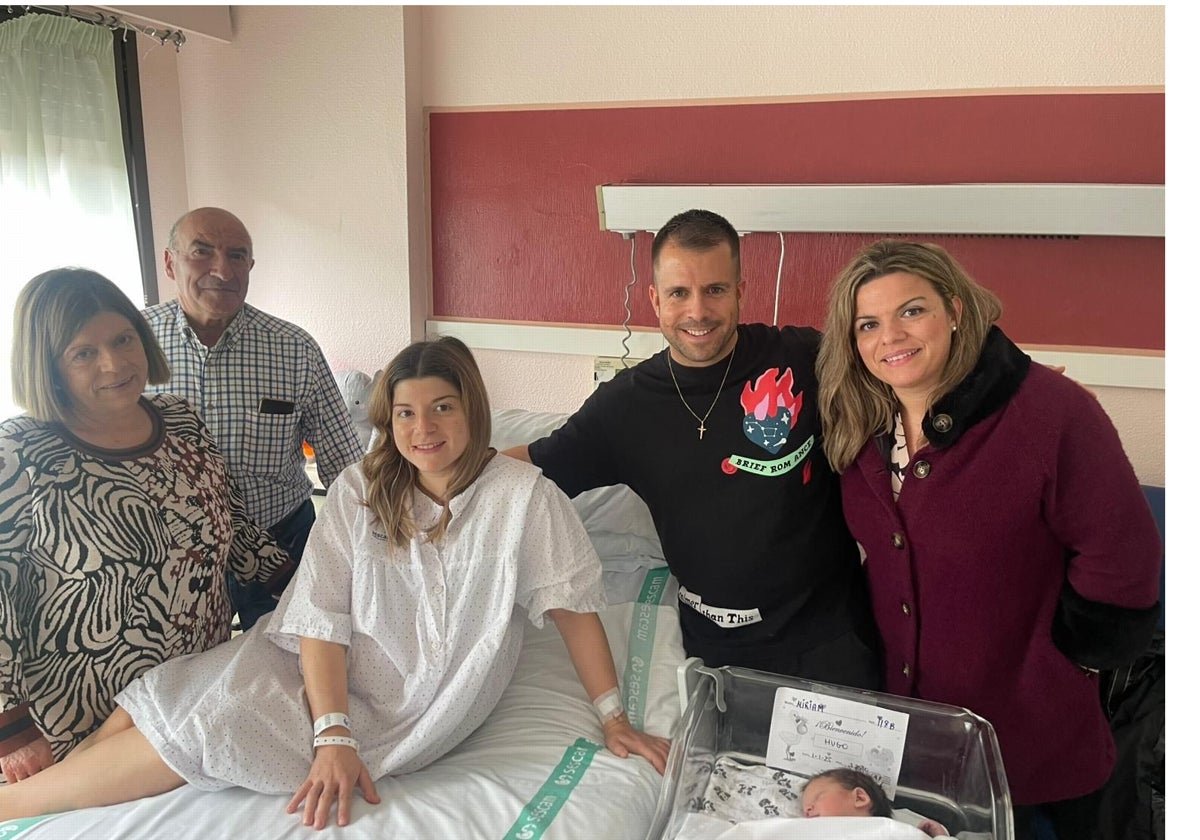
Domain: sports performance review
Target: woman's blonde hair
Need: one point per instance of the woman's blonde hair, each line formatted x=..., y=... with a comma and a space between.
x=853, y=404
x=391, y=479
x=51, y=310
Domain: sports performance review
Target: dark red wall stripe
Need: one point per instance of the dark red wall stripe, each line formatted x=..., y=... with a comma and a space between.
x=515, y=232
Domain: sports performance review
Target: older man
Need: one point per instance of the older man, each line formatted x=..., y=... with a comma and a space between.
x=261, y=383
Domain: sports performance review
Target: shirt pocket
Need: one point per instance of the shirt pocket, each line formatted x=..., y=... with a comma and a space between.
x=270, y=438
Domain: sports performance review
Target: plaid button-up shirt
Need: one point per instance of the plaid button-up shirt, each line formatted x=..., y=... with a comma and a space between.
x=260, y=357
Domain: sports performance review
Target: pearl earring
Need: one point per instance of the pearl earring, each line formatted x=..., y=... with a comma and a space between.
x=954, y=328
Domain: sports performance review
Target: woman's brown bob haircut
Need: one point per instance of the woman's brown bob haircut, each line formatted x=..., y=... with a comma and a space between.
x=51, y=310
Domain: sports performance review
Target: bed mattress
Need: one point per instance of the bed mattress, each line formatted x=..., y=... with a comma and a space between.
x=536, y=768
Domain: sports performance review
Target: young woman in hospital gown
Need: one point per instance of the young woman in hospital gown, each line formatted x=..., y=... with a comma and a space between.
x=405, y=616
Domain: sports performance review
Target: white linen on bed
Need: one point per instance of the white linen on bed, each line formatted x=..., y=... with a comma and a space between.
x=477, y=791
x=621, y=586
x=616, y=518
x=741, y=793
x=703, y=827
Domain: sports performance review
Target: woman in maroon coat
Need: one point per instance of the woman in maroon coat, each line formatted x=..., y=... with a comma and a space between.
x=1008, y=547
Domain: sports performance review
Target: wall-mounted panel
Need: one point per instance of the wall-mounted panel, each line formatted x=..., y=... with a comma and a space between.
x=515, y=232
x=988, y=209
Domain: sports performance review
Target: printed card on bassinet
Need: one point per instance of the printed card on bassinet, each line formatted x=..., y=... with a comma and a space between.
x=812, y=732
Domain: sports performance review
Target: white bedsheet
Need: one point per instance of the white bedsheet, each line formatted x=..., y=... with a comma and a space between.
x=702, y=827
x=481, y=789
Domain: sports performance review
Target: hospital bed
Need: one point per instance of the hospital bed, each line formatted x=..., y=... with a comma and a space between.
x=535, y=769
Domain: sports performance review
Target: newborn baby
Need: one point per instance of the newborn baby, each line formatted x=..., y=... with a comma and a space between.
x=842, y=792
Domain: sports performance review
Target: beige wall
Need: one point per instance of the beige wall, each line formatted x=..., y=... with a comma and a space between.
x=301, y=127
x=309, y=126
x=166, y=164
x=503, y=55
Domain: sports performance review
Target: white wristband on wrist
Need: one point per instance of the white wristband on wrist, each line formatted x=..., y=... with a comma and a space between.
x=335, y=741
x=332, y=719
x=608, y=705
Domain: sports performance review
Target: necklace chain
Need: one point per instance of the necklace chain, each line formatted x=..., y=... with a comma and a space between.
x=702, y=429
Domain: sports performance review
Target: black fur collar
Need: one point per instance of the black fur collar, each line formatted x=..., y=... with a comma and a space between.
x=997, y=375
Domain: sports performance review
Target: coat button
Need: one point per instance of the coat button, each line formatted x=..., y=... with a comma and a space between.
x=921, y=469
x=905, y=669
x=904, y=607
x=943, y=423
x=898, y=540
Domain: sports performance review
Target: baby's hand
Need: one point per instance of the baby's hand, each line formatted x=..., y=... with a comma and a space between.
x=934, y=828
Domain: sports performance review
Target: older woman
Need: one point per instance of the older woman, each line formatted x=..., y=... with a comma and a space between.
x=1009, y=549
x=117, y=520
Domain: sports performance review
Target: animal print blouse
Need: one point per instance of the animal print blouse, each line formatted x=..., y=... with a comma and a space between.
x=110, y=563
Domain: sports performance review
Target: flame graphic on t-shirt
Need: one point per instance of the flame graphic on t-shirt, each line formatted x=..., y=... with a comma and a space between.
x=771, y=409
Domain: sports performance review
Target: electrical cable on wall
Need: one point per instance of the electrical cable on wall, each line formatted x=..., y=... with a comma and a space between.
x=628, y=312
x=778, y=280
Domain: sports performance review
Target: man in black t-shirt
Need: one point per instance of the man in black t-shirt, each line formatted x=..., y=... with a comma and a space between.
x=719, y=435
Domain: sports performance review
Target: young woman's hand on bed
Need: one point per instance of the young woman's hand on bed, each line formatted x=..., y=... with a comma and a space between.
x=623, y=740
x=336, y=772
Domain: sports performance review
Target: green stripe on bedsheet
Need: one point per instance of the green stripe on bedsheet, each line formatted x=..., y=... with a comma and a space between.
x=15, y=828
x=540, y=811
x=537, y=815
x=642, y=627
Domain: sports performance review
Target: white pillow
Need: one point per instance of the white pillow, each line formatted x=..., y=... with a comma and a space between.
x=516, y=426
x=619, y=523
x=616, y=518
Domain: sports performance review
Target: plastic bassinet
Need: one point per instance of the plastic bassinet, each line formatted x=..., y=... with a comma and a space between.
x=951, y=769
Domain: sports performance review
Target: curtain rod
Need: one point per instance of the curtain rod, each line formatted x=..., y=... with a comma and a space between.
x=114, y=22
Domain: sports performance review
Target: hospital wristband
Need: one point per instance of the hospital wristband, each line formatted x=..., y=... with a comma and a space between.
x=330, y=720
x=335, y=741
x=608, y=705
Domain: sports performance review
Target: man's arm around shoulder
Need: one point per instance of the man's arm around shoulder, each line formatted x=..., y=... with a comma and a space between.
x=521, y=453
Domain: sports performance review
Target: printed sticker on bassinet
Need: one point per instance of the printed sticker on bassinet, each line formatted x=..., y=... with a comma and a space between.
x=811, y=733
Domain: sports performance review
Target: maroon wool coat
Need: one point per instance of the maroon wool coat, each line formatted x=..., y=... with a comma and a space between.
x=1026, y=497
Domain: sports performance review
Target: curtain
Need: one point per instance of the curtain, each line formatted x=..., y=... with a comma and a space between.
x=64, y=189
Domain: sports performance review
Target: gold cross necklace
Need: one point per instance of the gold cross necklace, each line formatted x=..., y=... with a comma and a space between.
x=702, y=429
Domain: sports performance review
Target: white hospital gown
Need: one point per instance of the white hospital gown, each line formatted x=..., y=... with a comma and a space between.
x=433, y=634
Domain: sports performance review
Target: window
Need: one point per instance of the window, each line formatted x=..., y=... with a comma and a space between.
x=72, y=162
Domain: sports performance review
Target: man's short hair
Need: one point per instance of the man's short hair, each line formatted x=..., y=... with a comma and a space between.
x=851, y=779
x=51, y=310
x=697, y=230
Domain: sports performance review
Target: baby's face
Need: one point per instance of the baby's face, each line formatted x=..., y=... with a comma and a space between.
x=828, y=798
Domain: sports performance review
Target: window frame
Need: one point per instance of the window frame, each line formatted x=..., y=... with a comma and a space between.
x=129, y=99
